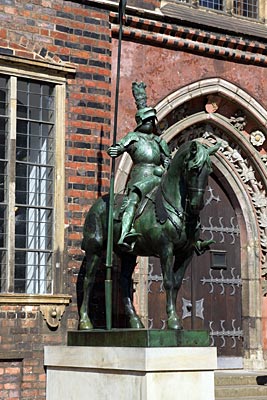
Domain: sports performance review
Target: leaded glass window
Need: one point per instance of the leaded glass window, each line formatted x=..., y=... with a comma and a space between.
x=244, y=8
x=214, y=4
x=27, y=167
x=247, y=8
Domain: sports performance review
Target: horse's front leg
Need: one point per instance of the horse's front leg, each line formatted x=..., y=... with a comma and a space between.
x=173, y=321
x=128, y=263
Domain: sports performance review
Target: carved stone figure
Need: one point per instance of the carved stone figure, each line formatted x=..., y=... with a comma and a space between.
x=239, y=120
x=163, y=219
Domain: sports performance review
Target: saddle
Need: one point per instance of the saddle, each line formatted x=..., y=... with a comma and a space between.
x=155, y=196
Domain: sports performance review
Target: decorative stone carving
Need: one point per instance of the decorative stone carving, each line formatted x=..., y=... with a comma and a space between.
x=179, y=113
x=246, y=172
x=213, y=103
x=264, y=159
x=239, y=120
x=52, y=314
x=257, y=138
x=162, y=126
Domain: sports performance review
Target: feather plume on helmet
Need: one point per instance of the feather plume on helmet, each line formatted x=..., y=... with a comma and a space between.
x=144, y=112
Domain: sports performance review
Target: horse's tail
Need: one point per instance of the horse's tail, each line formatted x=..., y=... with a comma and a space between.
x=95, y=225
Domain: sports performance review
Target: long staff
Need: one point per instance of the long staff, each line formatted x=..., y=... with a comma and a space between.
x=108, y=281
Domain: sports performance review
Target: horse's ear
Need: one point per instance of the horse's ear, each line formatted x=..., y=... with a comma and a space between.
x=212, y=150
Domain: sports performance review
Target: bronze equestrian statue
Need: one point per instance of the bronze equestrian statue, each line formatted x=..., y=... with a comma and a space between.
x=158, y=216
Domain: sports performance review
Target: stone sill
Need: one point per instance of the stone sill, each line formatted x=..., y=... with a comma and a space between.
x=34, y=299
x=13, y=355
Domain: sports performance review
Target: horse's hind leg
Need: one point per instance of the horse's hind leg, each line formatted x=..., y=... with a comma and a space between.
x=92, y=263
x=128, y=263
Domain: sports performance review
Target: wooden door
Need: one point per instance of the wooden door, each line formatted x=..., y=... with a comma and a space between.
x=210, y=297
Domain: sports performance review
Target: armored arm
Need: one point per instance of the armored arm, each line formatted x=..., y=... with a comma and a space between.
x=115, y=151
x=123, y=145
x=165, y=152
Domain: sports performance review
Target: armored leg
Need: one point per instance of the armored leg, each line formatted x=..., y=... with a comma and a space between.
x=128, y=236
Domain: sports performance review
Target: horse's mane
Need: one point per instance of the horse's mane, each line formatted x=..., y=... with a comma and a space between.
x=195, y=154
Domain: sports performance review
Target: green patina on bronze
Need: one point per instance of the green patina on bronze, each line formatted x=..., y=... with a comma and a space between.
x=150, y=155
x=140, y=338
x=157, y=216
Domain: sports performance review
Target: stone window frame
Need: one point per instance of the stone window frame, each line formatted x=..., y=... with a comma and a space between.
x=57, y=75
x=228, y=6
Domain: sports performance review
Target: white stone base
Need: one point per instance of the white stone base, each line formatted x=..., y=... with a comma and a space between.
x=130, y=373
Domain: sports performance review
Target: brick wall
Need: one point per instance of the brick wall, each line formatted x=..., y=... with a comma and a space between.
x=23, y=336
x=65, y=32
x=60, y=32
x=10, y=379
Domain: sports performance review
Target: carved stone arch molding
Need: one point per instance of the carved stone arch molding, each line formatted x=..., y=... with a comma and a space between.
x=237, y=176
x=242, y=169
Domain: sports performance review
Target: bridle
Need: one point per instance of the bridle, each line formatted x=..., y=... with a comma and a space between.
x=168, y=209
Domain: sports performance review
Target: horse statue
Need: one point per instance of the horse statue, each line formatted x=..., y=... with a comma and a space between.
x=168, y=227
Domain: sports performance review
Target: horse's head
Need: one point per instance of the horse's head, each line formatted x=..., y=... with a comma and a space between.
x=197, y=167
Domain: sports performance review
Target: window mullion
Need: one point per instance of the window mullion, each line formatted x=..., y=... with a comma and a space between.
x=229, y=6
x=262, y=10
x=11, y=184
x=59, y=188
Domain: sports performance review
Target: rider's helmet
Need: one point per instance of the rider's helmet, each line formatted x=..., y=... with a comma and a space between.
x=144, y=112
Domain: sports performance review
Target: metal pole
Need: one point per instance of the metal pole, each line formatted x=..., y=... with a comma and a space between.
x=108, y=281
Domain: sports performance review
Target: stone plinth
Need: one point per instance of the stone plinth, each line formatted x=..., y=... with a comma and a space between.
x=130, y=373
x=140, y=338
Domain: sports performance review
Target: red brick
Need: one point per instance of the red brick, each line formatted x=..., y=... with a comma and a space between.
x=10, y=386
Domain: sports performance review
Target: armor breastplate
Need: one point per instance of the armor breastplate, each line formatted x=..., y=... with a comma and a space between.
x=146, y=151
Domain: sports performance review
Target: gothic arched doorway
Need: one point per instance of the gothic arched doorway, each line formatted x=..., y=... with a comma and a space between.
x=211, y=293
x=215, y=110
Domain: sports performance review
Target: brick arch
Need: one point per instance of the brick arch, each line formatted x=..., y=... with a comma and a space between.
x=21, y=46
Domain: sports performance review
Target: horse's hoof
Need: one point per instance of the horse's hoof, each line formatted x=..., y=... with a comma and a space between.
x=85, y=326
x=136, y=323
x=174, y=323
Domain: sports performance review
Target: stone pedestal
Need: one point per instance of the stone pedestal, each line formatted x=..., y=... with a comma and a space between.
x=130, y=373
